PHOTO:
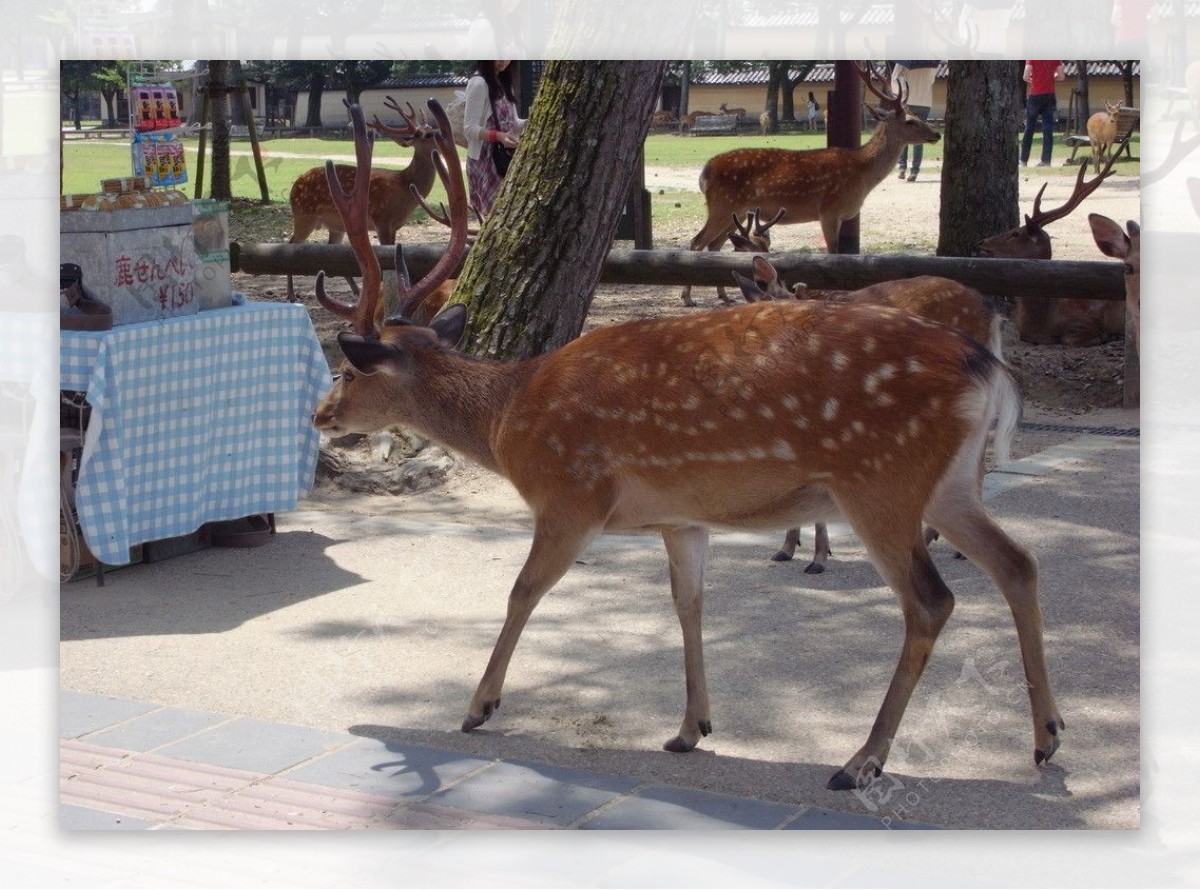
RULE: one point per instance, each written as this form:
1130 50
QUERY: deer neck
880 153
459 402
420 170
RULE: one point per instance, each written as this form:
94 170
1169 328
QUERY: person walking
914 81
1041 104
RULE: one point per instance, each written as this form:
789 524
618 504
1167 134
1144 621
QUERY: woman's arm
475 115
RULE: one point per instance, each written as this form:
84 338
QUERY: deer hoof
472 722
814 568
678 745
781 556
705 727
1041 756
844 780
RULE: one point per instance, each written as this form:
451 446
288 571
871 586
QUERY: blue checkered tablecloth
194 419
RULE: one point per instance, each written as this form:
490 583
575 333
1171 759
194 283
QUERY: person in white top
915 79
492 128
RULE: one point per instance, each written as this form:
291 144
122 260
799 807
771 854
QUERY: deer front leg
901 557
687 550
556 543
790 541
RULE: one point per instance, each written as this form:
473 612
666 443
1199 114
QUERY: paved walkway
137 766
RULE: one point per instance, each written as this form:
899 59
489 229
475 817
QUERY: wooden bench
715 125
1127 120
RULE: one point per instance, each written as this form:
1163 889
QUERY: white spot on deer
782 450
883 400
829 444
691 403
868 344
800 422
757 453
709 424
737 414
790 403
556 445
839 361
859 427
766 412
914 366
829 409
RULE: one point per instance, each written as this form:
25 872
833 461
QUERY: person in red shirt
1040 104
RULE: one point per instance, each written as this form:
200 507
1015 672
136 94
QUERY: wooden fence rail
1051 279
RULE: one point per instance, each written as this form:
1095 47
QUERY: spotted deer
739 113
393 196
1072 322
753 416
938 299
826 184
1102 132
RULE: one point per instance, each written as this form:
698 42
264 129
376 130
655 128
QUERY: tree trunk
776 77
980 165
218 86
533 270
316 86
1085 103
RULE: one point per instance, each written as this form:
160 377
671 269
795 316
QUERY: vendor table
194 419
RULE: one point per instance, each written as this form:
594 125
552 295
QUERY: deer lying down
753 416
938 299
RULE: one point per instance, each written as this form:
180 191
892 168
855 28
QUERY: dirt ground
1062 386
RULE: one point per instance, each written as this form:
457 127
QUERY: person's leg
921 111
1049 107
1027 136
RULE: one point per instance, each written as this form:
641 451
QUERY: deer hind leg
556 543
821 551
687 550
303 225
899 553
958 512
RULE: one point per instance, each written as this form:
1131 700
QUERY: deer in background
826 184
752 416
739 113
929 296
1102 132
1041 321
393 193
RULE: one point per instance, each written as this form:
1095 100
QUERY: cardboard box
141 262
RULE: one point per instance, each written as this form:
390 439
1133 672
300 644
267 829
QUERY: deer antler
871 76
450 171
1082 189
760 227
438 216
402 135
353 208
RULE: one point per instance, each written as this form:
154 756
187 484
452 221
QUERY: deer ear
450 323
750 289
366 355
1110 237
741 242
877 113
763 270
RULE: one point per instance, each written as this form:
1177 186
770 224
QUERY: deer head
753 236
1030 241
1116 242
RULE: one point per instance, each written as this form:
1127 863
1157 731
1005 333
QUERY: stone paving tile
155 729
76 818
545 794
81 712
432 817
256 745
390 769
686 808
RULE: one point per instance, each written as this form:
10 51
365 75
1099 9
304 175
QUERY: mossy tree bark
532 271
981 162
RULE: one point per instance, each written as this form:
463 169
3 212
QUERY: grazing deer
1102 132
826 184
393 195
748 417
938 299
686 121
664 117
1114 242
1072 322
